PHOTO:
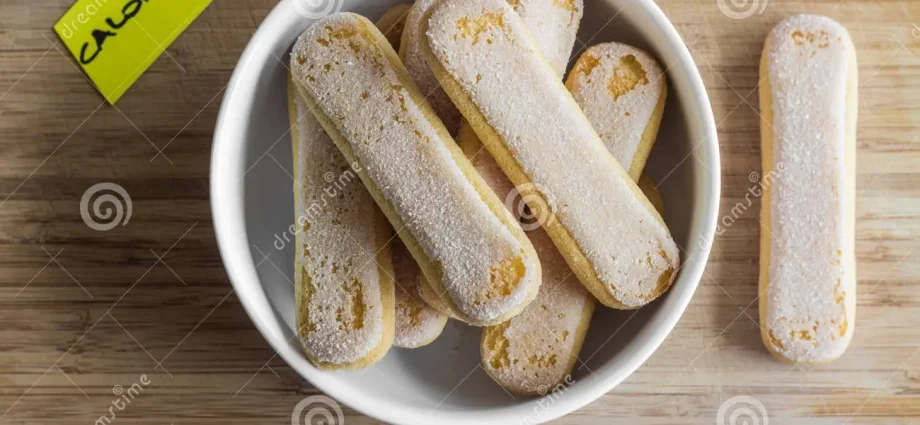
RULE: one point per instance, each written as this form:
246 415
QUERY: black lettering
129 10
137 8
99 36
118 25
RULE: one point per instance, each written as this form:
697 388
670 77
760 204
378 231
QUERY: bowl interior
254 163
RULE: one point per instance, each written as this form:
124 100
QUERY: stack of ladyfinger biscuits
470 181
503 183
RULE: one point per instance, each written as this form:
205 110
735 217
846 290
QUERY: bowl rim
226 191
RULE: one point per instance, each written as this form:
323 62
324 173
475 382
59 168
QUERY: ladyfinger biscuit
470 249
555 24
344 298
411 56
608 232
393 22
417 324
537 349
622 91
807 263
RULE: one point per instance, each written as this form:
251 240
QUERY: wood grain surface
83 312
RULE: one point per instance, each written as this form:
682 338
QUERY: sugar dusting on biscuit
410 53
405 156
810 294
618 88
626 242
553 24
339 298
417 324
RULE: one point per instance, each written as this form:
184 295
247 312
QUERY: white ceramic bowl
251 195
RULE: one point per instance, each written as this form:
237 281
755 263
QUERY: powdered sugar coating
808 308
618 87
417 324
411 55
340 310
345 68
553 24
483 46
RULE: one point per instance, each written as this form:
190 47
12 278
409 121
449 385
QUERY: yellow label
115 41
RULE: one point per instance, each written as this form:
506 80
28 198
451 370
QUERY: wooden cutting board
82 311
